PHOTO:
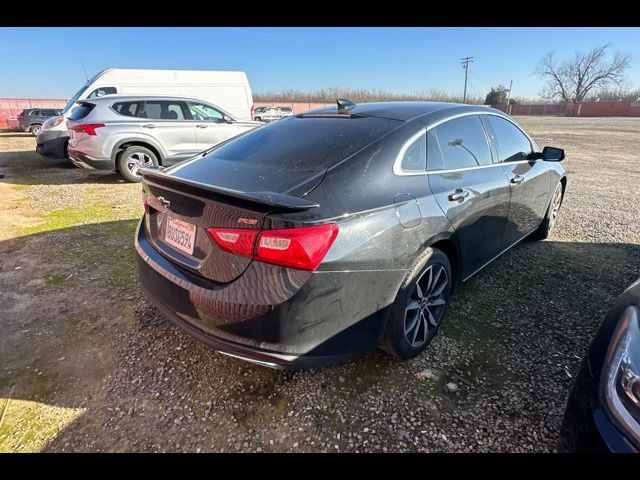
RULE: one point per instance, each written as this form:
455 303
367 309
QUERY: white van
228 90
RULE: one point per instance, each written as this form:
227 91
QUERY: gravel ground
495 379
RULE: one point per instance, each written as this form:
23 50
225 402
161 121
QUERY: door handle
517 179
149 125
459 194
202 125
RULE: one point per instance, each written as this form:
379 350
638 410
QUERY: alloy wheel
425 307
136 161
555 207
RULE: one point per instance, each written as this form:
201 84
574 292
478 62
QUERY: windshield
74 98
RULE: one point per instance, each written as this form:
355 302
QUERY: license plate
180 234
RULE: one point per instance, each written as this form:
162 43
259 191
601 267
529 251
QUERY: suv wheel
34 129
420 305
132 159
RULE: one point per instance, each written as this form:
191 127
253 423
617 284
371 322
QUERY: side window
128 109
101 91
200 111
511 144
164 110
463 142
434 155
35 113
415 158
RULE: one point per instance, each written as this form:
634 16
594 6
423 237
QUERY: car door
471 190
168 122
528 178
210 124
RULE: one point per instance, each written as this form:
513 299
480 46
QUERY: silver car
271 114
124 133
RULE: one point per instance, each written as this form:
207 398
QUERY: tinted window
415 158
164 110
50 113
463 142
434 155
101 91
81 111
511 144
35 113
286 110
305 144
200 111
128 109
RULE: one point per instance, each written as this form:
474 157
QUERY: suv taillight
88 128
303 248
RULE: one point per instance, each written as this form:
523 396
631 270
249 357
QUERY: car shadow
81 342
29 168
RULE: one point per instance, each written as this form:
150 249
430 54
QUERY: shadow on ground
78 336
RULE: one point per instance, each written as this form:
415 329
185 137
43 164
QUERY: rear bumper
51 143
81 159
270 315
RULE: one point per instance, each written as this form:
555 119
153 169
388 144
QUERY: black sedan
603 412
336 231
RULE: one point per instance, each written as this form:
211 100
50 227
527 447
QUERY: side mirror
552 154
227 119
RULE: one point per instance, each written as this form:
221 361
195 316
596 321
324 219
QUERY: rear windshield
304 143
81 111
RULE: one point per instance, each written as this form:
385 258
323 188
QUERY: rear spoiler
272 199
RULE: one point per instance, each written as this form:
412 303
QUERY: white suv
124 133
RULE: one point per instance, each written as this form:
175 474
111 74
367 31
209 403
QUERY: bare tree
571 80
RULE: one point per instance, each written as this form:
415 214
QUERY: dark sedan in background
603 412
330 233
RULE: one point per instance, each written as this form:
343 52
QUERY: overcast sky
47 62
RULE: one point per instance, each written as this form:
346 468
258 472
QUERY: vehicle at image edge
31 119
327 234
124 133
603 410
230 90
270 114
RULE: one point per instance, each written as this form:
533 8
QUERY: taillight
235 240
20 117
302 248
88 128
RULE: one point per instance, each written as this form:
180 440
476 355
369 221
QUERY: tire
258 119
407 334
551 215
127 159
34 129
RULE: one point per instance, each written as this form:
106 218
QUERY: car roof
133 98
406 111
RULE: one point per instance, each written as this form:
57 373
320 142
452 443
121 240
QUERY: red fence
584 109
11 107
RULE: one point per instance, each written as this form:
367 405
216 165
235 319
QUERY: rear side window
511 144
434 154
81 111
128 109
35 113
463 143
102 91
164 110
414 158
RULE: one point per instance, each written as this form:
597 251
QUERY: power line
465 64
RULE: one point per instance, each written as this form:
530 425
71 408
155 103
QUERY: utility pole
509 97
465 64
